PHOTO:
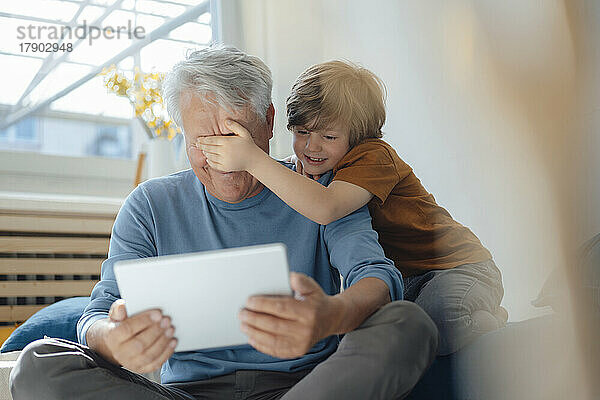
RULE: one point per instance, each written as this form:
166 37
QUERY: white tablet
203 292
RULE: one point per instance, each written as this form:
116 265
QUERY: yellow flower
143 92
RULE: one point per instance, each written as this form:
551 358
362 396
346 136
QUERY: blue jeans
464 302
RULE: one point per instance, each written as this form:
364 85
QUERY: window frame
32 169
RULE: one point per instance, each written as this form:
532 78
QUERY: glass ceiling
36 64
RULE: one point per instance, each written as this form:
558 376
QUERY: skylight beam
49 65
158 33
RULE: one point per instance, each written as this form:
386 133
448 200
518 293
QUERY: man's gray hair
234 78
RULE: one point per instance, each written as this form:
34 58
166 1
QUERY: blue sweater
175 214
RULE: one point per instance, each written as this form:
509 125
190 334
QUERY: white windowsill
56 203
26 172
23 162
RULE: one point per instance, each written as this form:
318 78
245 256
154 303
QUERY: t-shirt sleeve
355 252
132 237
371 167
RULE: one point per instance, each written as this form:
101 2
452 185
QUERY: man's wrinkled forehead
209 116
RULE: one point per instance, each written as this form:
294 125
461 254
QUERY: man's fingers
265 342
164 356
117 311
237 128
303 284
144 340
133 325
268 323
154 356
281 306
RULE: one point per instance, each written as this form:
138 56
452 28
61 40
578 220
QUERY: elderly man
294 350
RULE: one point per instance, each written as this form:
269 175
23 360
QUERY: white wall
478 98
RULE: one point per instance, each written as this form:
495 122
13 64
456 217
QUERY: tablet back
203 292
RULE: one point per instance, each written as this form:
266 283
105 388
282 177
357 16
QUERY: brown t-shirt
415 232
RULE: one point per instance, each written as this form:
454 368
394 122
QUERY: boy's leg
464 302
382 359
60 369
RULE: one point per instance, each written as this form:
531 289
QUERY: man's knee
401 333
37 373
413 324
398 343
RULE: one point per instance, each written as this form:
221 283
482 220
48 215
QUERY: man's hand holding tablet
140 343
287 327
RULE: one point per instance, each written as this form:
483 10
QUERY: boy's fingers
211 140
237 128
212 160
209 150
214 164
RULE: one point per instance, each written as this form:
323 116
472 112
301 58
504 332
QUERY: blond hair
338 92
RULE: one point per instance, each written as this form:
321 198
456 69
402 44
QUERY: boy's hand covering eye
229 153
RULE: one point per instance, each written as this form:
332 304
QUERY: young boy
335 112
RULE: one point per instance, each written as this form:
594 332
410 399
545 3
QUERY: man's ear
270 119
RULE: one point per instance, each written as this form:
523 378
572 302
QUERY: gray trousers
382 359
464 302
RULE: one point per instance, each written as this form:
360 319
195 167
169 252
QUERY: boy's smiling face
320 150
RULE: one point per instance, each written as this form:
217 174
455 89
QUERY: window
26 129
110 141
53 100
24 135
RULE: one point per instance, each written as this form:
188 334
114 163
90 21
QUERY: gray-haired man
294 350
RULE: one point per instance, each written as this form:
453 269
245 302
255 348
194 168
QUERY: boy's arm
321 204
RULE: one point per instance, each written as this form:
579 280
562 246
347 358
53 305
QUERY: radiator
46 256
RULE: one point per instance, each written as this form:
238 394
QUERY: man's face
202 118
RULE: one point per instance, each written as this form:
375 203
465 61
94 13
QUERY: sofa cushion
58 320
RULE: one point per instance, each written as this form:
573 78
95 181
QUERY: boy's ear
270 119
